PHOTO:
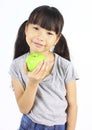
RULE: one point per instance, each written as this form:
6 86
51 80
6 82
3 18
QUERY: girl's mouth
38 44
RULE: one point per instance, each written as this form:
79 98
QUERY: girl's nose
41 36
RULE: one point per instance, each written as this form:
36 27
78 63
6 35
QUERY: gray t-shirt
50 102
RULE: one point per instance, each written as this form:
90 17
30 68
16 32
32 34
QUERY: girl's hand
39 73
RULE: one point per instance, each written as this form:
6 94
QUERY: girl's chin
36 49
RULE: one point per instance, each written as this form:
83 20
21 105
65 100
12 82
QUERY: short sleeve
70 73
13 70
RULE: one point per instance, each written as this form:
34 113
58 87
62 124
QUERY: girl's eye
36 28
49 33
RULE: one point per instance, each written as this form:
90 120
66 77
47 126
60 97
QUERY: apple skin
32 60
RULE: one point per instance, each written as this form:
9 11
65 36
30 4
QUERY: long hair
21 45
62 48
48 18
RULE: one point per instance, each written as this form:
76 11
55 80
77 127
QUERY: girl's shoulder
67 68
62 62
20 59
16 67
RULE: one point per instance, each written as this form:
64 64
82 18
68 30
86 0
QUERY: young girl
47 95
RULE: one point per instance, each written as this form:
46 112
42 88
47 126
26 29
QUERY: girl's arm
25 98
72 105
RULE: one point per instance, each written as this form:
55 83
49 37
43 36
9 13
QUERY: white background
77 30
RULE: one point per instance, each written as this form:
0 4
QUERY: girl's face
40 39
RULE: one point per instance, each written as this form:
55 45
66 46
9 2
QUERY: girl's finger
38 68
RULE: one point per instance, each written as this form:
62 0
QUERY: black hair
21 45
49 18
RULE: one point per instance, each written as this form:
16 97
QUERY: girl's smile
38 44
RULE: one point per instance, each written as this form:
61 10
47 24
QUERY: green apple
32 60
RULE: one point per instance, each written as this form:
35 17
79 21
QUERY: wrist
32 83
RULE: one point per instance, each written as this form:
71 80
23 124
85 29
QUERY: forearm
71 117
27 99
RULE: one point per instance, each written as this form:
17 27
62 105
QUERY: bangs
44 21
46 18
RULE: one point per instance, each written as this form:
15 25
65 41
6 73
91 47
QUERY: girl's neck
50 57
